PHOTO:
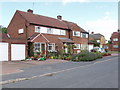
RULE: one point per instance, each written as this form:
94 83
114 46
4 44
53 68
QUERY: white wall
3 51
91 46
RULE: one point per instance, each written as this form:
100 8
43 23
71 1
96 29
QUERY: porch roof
66 40
48 38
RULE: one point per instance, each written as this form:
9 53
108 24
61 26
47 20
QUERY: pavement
102 73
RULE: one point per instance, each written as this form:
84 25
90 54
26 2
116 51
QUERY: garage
17 52
3 51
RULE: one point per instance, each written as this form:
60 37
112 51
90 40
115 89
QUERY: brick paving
11 67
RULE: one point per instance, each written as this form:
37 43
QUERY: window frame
37 30
53 47
77 47
76 32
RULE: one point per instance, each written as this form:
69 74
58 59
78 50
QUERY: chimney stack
92 32
30 11
59 17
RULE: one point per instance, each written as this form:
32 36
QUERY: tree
96 44
3 29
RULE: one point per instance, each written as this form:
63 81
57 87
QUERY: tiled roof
67 40
48 38
48 21
96 36
4 35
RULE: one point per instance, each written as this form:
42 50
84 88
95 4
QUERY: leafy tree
96 44
109 42
3 29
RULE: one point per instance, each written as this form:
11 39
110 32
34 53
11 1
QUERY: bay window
51 47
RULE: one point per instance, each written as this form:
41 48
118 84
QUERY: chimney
30 11
59 17
92 32
118 31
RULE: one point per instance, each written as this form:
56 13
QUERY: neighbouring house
99 38
90 45
45 34
115 41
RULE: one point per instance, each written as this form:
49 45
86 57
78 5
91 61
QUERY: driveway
11 67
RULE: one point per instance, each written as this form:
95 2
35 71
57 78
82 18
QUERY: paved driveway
18 66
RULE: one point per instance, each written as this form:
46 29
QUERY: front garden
82 56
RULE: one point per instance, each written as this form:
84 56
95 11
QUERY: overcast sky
99 17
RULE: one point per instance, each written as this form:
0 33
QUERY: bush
86 56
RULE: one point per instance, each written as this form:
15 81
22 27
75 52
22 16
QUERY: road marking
48 74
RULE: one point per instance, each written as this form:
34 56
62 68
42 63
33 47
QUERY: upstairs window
115 46
76 33
49 31
37 29
62 32
115 39
20 31
84 35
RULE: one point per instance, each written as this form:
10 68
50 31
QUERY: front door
43 49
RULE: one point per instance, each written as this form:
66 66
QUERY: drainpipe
26 52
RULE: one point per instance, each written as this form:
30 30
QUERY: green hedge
86 56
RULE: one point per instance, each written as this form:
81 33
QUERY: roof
96 36
4 35
48 38
48 21
66 40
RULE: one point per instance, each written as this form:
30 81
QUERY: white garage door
17 51
3 51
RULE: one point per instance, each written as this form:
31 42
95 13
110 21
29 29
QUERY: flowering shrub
86 56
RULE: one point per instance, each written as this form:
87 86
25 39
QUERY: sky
97 17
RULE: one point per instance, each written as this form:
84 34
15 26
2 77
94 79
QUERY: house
115 41
45 34
99 38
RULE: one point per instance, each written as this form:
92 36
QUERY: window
98 41
115 39
77 46
62 32
49 31
56 31
43 29
20 31
115 46
37 29
76 33
84 35
51 47
36 47
84 47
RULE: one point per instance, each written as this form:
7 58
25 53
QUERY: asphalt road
102 73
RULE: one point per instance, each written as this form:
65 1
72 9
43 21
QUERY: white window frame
115 39
77 46
62 32
37 47
37 30
84 34
49 32
77 32
115 46
53 47
20 31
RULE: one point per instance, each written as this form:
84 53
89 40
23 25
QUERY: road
102 73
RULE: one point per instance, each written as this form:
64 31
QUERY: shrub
86 56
